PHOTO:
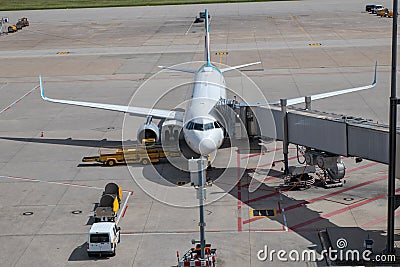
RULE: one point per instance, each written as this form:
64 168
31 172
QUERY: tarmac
111 55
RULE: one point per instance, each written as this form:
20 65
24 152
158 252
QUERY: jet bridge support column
392 137
308 102
285 136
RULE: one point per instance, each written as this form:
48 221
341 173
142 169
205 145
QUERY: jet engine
148 130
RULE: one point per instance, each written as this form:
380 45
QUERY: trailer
144 154
110 202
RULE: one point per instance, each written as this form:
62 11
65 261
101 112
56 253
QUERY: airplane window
208 126
190 125
198 127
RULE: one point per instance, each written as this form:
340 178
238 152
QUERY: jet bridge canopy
333 133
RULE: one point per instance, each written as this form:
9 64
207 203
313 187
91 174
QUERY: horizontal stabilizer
177 69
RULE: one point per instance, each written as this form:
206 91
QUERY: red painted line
239 193
335 193
261 197
264 152
264 180
267 164
363 167
379 220
324 196
254 155
336 212
123 214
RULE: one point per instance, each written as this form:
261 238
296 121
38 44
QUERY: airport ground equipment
2 22
148 152
299 176
109 204
375 8
19 25
12 28
103 239
192 257
24 21
369 7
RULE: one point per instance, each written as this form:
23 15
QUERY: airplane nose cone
207 146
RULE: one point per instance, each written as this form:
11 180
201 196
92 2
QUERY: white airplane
202 131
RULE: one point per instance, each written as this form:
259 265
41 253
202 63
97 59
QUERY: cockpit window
190 125
198 127
201 127
216 124
208 126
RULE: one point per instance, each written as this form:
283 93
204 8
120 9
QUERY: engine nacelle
148 130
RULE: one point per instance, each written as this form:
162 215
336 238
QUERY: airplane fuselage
202 131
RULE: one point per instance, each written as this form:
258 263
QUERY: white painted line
49 182
283 212
4 85
123 208
189 28
19 99
196 232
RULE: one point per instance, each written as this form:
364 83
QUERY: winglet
41 88
376 66
207 39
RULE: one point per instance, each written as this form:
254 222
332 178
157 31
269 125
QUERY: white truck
103 239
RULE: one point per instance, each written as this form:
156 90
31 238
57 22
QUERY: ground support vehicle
109 204
12 28
103 239
192 257
148 152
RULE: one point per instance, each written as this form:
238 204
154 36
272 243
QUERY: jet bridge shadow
301 219
264 196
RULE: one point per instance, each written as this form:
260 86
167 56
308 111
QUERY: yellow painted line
302 29
262 213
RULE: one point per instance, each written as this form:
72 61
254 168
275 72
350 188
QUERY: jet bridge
327 136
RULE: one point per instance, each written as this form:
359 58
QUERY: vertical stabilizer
207 39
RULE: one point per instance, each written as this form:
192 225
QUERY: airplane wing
299 100
138 111
240 66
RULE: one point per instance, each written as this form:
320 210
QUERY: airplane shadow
74 142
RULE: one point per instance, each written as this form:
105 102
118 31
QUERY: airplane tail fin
207 39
